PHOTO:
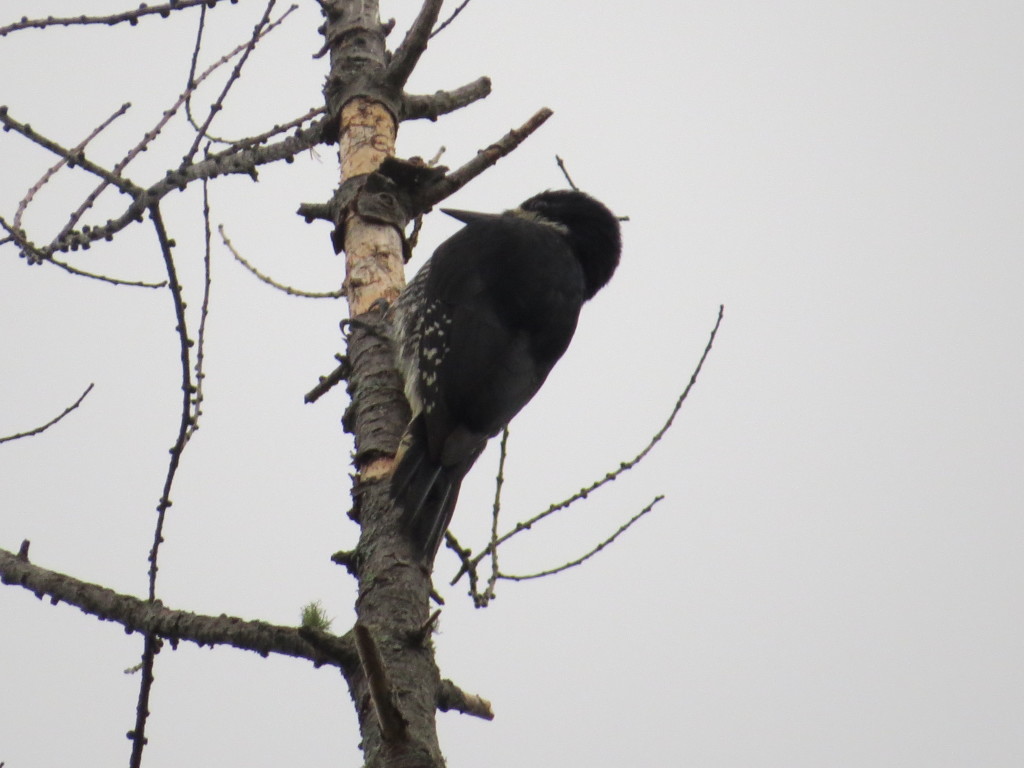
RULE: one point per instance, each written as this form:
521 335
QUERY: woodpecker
477 331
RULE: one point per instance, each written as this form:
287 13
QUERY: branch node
346 558
451 697
420 636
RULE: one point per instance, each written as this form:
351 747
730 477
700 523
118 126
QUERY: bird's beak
467 217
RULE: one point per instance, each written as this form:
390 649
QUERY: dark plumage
478 330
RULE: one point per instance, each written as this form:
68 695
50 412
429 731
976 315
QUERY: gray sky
834 578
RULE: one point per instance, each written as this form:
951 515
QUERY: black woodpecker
478 330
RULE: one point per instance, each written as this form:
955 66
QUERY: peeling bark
396 688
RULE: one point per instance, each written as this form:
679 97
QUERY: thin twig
150 648
498 482
204 311
469 565
573 563
568 178
263 26
70 155
36 255
627 465
432 162
75 151
151 136
52 421
565 172
152 644
29 250
103 278
132 17
328 382
270 281
147 139
190 83
227 162
440 27
187 391
252 141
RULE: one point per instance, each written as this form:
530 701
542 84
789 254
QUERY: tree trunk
397 687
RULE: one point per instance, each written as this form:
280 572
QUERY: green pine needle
313 617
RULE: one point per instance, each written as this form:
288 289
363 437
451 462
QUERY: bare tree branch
484 159
204 312
152 645
499 481
230 161
325 385
573 563
72 156
152 134
132 17
440 27
253 141
626 465
405 57
263 26
270 281
452 182
36 255
470 564
190 82
187 391
52 421
451 697
103 278
29 250
565 172
429 196
441 103
138 615
75 151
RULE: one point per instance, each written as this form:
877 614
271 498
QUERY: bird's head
591 229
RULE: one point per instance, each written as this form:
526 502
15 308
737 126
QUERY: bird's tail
426 492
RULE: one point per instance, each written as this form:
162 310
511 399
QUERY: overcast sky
835 575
